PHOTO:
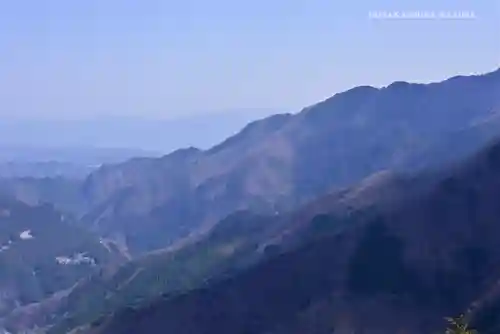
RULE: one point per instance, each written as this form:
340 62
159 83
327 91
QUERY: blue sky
92 58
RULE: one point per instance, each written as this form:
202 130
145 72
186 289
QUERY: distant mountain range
86 156
148 133
49 169
60 161
277 228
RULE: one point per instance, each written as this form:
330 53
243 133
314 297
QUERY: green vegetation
228 247
42 252
459 325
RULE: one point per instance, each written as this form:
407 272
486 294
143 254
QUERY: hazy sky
84 58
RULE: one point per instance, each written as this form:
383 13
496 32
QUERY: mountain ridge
275 163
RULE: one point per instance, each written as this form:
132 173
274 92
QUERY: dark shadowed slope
400 269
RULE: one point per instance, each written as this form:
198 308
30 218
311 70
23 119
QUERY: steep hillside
236 242
42 252
401 268
279 162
